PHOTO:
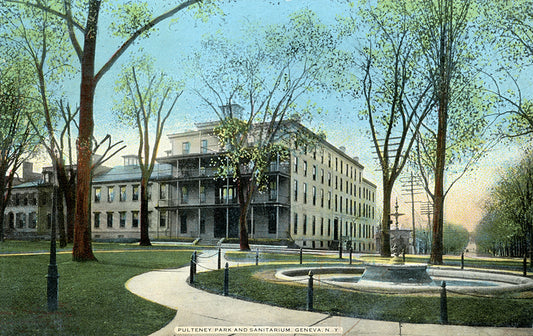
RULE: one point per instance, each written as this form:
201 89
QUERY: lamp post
53 276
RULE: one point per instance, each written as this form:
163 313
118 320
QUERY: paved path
198 309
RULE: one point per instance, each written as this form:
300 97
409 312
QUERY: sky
173 42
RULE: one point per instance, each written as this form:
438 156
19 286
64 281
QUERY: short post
191 270
310 292
52 278
256 257
219 257
226 280
195 261
351 251
301 255
443 305
403 255
340 249
525 264
462 260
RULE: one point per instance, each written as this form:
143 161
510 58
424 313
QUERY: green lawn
92 297
515 310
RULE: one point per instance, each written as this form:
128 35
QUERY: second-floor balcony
186 173
203 201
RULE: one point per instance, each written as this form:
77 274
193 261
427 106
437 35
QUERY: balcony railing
195 201
195 172
212 171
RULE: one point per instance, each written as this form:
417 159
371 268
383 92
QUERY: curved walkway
203 313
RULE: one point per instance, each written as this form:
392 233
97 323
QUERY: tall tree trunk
61 218
145 238
2 220
386 220
243 206
438 210
82 250
70 201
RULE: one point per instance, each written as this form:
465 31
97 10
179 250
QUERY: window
204 146
228 193
305 193
163 191
110 194
322 198
21 220
185 147
322 226
163 219
305 168
273 191
295 190
149 192
32 220
313 228
96 219
202 225
329 199
329 227
135 219
135 193
322 176
314 172
203 195
295 228
314 195
122 217
109 219
329 160
183 224
97 195
272 222
329 179
305 225
184 195
122 193
295 164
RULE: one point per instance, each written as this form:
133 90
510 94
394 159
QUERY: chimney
27 171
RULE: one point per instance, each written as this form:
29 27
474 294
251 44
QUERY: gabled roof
133 173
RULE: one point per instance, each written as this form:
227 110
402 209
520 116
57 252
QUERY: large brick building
317 198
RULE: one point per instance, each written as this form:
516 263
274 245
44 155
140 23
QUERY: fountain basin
461 281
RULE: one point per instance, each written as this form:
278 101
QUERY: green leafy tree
133 22
257 89
455 238
144 106
18 140
442 32
512 201
396 94
512 23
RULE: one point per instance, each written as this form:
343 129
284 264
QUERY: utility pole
427 209
412 186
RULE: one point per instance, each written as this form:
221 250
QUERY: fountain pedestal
396 273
